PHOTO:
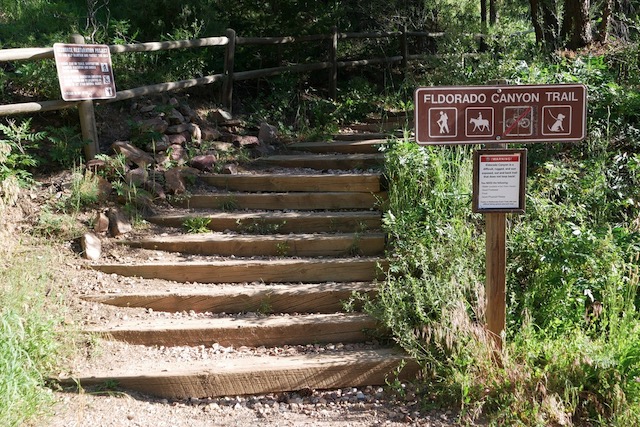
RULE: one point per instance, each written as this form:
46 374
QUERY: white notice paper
499 181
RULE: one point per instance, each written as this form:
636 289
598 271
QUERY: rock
210 133
118 223
156 188
184 127
175 179
175 117
104 188
156 124
245 141
187 112
178 138
147 108
133 154
137 177
173 101
159 143
91 246
230 169
220 115
101 223
223 147
95 165
268 134
196 133
204 163
178 154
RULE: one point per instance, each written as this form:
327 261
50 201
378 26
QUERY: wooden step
253 375
280 201
369 183
290 298
323 161
363 136
399 118
268 271
278 222
304 245
377 126
370 146
253 331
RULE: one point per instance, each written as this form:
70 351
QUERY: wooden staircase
289 248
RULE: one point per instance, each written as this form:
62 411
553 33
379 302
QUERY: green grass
571 352
33 341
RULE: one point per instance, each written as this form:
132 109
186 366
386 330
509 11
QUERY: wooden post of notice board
86 111
496 273
495 285
498 188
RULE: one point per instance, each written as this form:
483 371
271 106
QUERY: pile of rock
171 143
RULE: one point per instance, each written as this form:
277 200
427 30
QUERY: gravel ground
369 406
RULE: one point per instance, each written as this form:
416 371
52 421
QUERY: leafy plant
115 167
15 156
283 248
197 224
66 146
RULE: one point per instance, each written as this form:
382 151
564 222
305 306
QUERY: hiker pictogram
443 122
479 121
556 120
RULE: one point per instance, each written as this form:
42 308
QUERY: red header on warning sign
499 158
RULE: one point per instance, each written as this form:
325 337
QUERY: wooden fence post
333 58
229 60
87 118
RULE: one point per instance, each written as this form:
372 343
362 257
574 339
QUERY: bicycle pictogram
518 121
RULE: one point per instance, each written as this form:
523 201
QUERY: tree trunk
483 14
483 24
576 25
544 18
535 21
493 12
605 23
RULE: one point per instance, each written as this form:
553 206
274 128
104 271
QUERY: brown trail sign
499 114
495 115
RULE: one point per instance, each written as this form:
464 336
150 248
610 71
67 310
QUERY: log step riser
296 183
280 201
265 376
246 334
330 301
254 246
365 161
268 273
280 224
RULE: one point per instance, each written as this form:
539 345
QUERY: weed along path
243 324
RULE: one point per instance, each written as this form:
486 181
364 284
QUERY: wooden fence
230 40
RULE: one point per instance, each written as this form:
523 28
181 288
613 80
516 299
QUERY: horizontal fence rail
229 42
